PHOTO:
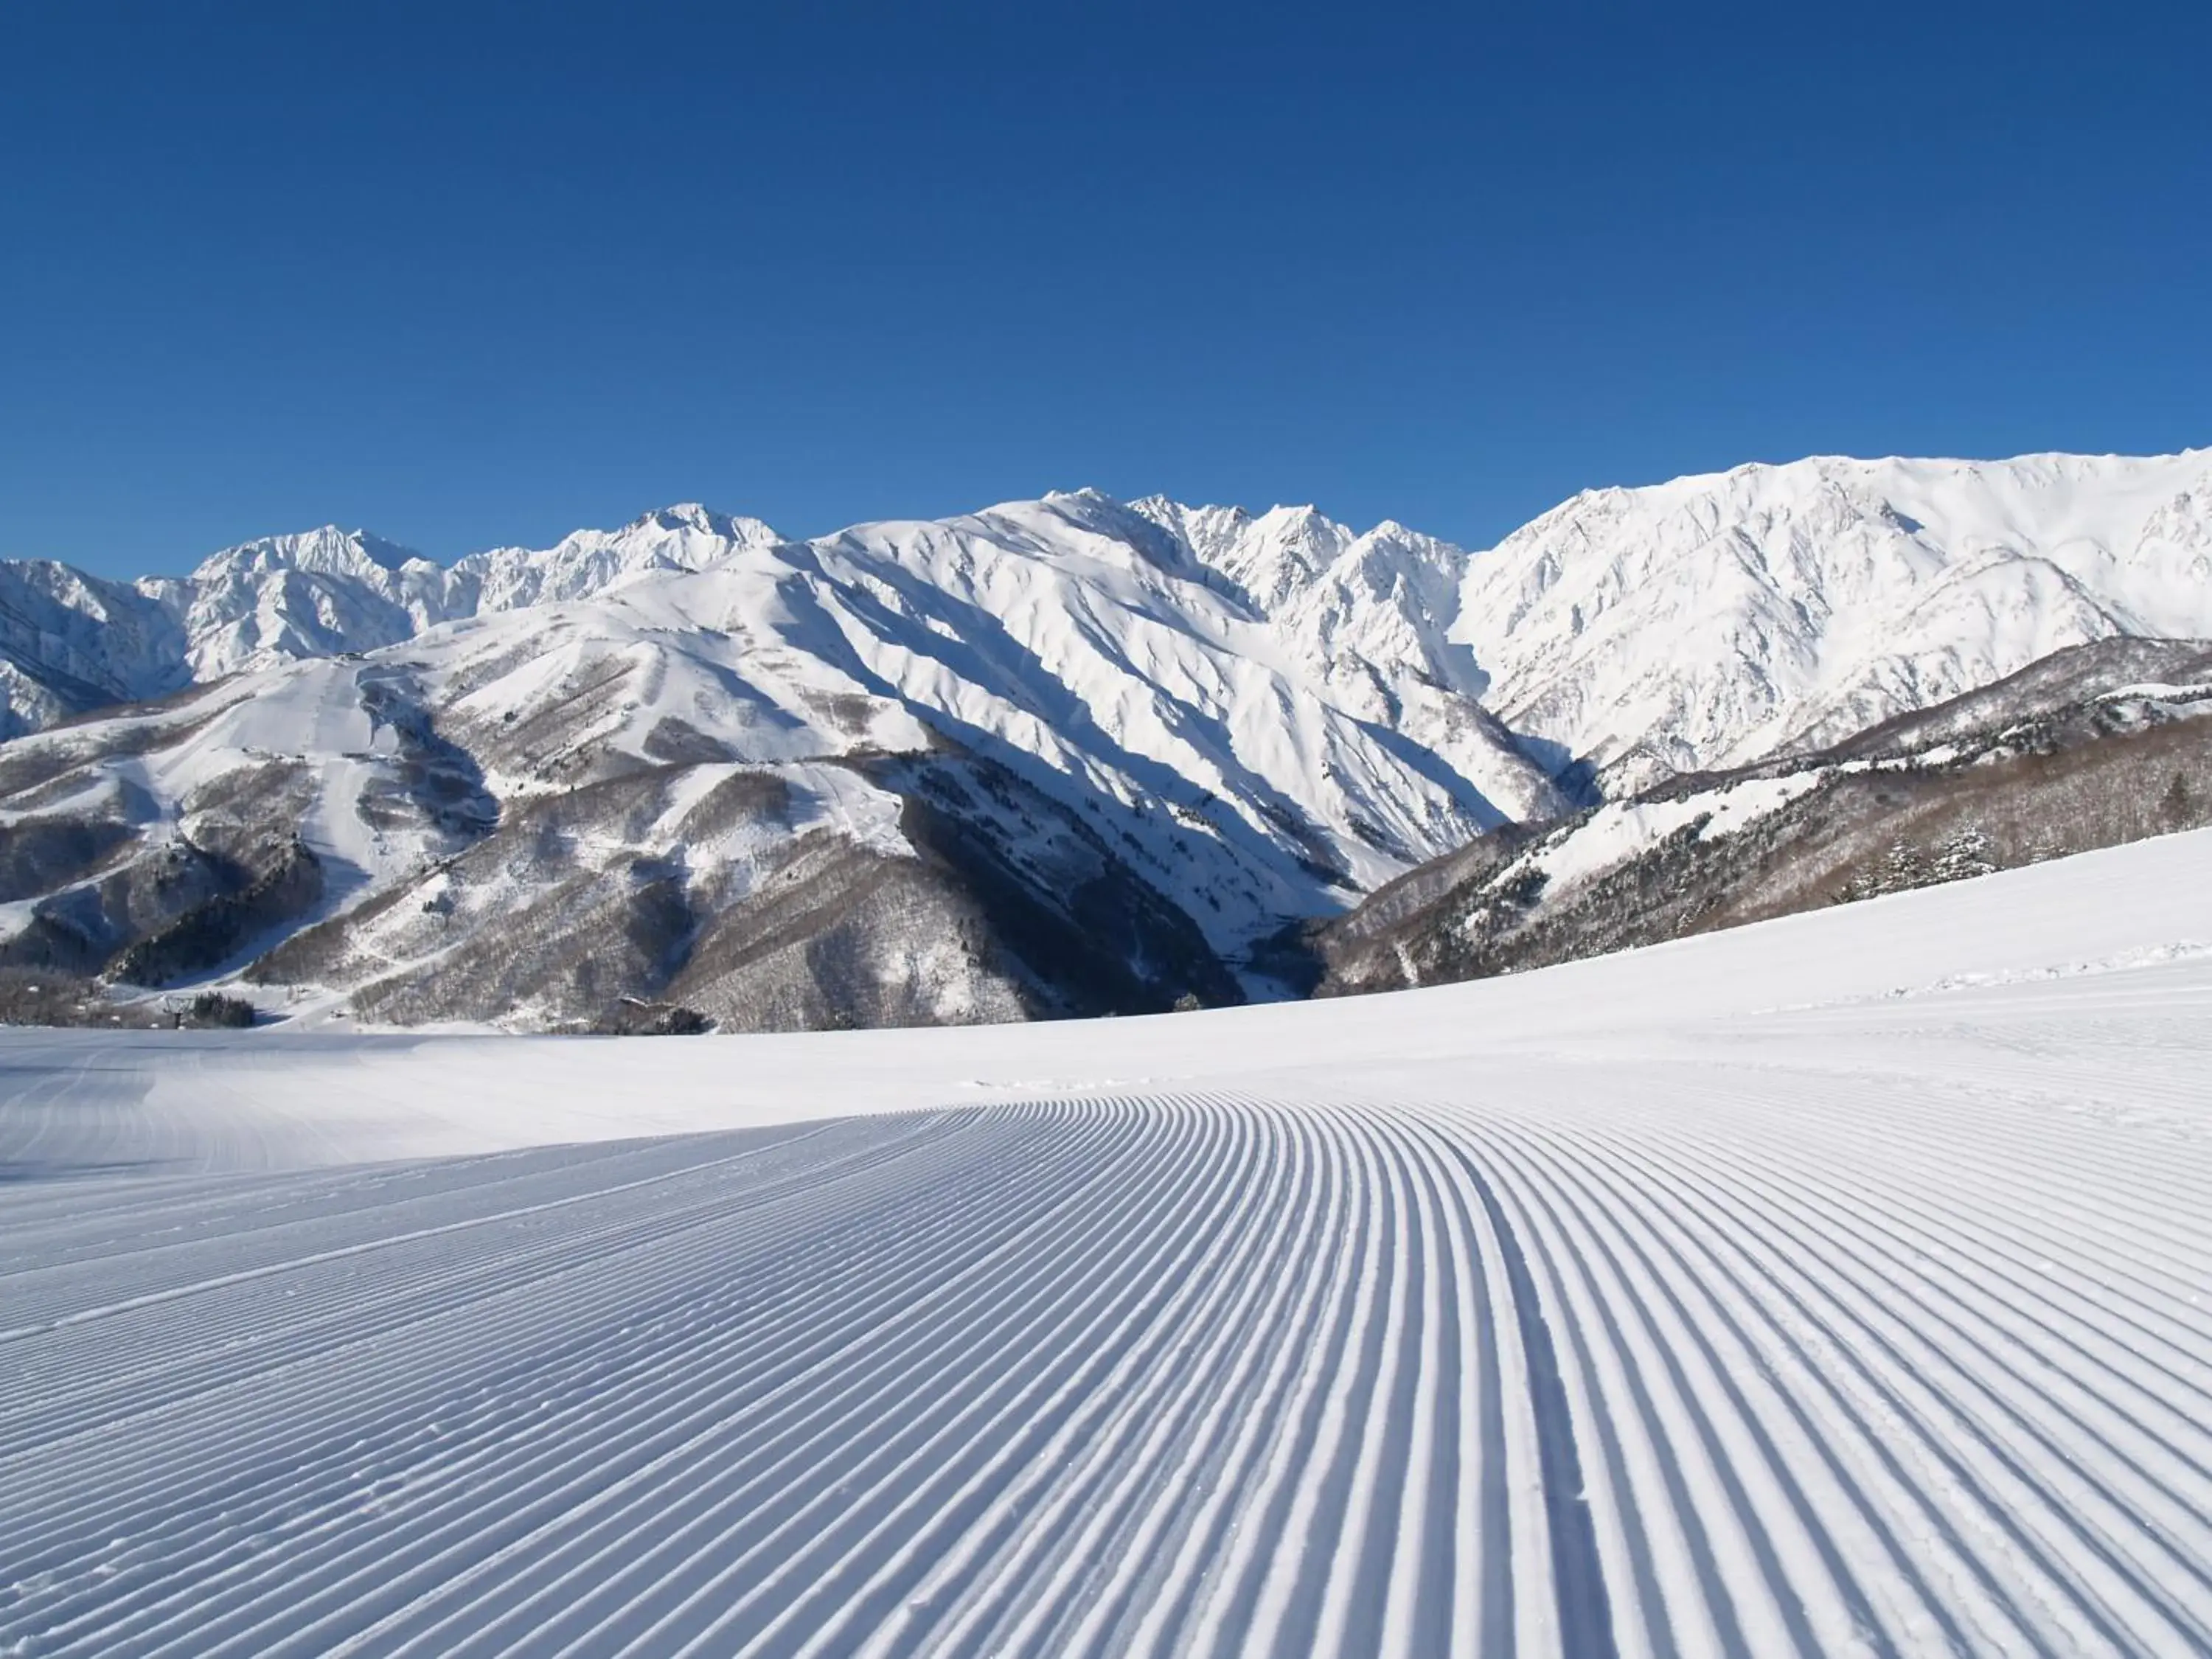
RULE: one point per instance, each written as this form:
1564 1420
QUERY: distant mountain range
1058 756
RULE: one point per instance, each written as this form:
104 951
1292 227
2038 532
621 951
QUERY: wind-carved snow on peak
685 536
1713 619
328 551
1387 600
1269 557
1368 614
281 598
70 642
688 535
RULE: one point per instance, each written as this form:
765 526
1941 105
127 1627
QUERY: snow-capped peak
694 519
280 599
328 551
1268 557
1711 619
585 562
1702 622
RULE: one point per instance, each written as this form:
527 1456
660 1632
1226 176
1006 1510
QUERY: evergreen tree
2178 808
1962 854
1902 868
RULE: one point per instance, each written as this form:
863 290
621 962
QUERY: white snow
1707 621
1618 830
2159 691
1839 1285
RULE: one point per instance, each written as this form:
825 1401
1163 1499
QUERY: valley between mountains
1075 755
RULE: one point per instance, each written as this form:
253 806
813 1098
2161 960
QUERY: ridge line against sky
475 275
1357 528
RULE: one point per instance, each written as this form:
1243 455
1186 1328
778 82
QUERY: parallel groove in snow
1178 1374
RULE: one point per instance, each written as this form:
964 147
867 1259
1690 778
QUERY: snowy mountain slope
165 841
686 536
1266 560
312 826
2094 745
286 597
69 642
1832 1287
1701 622
1360 619
1056 628
1711 620
2099 677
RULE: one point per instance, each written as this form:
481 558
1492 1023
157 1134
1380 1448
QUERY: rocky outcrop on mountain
926 889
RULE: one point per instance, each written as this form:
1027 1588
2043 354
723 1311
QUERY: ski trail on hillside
1733 1364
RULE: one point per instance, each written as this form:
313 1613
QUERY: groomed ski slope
1838 1286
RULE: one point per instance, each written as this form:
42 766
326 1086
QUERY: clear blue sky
474 273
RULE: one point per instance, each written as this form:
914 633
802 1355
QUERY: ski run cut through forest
1840 1284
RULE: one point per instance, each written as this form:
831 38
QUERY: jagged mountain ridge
71 643
1673 627
1228 720
1077 703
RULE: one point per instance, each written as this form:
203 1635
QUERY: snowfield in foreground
1841 1284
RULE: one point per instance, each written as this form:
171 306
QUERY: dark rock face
1007 907
1066 914
125 893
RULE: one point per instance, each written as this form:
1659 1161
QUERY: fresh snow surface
1842 1285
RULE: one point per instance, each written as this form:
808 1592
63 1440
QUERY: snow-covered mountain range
1173 728
71 642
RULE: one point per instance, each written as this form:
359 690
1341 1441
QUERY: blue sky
473 274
